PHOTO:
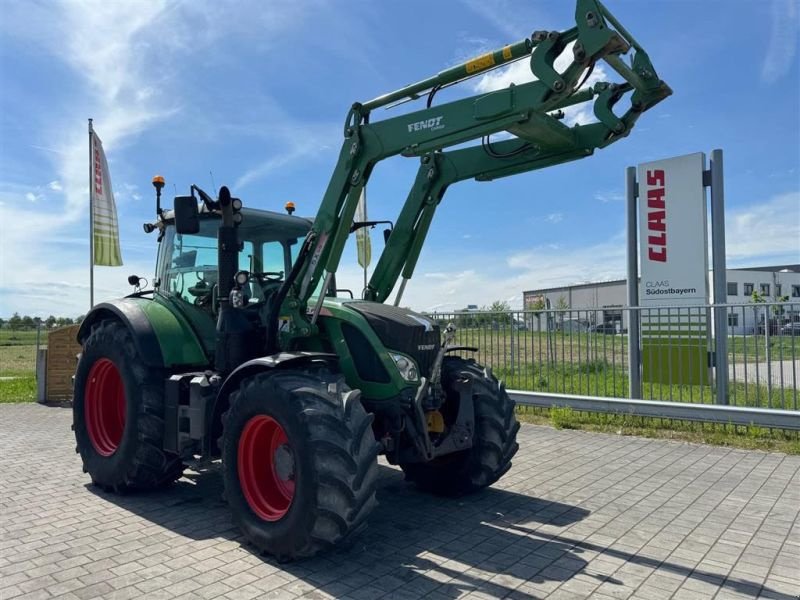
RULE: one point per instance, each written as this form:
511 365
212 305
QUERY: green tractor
245 350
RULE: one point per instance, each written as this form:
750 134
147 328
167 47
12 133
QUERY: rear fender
163 338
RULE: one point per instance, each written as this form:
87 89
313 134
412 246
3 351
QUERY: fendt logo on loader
432 124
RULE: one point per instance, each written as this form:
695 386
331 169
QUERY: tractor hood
402 330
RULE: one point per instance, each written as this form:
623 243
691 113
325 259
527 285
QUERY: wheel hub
284 462
104 405
266 468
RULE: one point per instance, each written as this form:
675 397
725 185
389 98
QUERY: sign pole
720 283
91 218
634 351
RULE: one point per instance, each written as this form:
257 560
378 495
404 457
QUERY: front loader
244 351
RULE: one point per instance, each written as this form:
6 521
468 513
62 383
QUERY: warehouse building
601 304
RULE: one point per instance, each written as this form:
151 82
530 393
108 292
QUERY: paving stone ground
580 515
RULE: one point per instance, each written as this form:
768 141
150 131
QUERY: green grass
533 346
20 338
18 364
753 347
17 361
598 378
717 434
20 389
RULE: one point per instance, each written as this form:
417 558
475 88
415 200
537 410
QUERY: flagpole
91 217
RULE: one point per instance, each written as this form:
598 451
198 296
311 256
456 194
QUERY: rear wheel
494 440
117 414
299 461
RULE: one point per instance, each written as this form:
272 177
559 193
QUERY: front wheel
494 441
299 461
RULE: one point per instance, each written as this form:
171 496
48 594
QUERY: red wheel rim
104 402
266 468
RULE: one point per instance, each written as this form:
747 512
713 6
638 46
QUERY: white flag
363 245
104 210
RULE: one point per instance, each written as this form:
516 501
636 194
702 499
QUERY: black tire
494 441
138 461
334 460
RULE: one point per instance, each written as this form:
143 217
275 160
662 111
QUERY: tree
778 310
500 310
50 322
537 305
498 306
562 305
15 322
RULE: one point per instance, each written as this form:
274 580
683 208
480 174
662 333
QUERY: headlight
406 366
241 277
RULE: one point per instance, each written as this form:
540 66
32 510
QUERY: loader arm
523 110
438 170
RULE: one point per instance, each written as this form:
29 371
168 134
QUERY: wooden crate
62 359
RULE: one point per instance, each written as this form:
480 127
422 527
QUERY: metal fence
19 349
585 351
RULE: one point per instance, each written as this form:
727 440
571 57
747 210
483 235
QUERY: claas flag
363 245
105 228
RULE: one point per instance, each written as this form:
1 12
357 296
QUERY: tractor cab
187 268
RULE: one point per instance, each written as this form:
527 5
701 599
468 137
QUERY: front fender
252 367
163 338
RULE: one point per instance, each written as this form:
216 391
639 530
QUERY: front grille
404 331
368 366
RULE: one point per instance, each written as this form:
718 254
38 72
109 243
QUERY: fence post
720 277
634 352
38 342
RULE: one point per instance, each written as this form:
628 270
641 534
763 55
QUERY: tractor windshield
187 264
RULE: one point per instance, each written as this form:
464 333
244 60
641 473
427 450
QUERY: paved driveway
580 515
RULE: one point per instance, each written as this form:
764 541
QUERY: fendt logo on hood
432 124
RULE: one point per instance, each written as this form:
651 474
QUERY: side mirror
187 217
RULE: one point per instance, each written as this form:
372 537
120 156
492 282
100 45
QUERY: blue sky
257 92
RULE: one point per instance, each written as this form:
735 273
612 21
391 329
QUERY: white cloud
483 278
783 36
298 148
520 72
609 196
495 13
554 218
125 57
764 232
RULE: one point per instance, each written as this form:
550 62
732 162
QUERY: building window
733 289
748 289
764 289
733 320
796 291
778 290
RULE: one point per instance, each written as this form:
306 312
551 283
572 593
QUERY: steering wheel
268 277
203 289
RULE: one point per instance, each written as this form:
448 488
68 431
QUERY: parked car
572 326
604 328
791 329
